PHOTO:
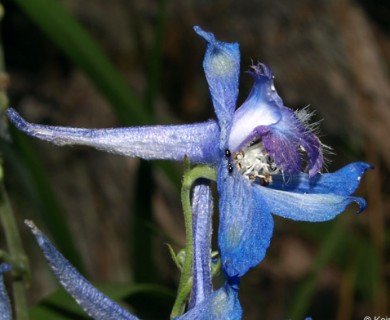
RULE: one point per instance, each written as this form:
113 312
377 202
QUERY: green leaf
303 296
60 305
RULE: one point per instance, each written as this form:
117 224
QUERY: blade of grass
52 213
60 305
76 43
303 296
143 262
142 258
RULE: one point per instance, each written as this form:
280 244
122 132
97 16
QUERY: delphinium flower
268 160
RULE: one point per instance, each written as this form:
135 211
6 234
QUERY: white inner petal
247 118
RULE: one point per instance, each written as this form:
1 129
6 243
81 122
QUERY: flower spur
268 161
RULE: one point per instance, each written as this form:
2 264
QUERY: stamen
254 163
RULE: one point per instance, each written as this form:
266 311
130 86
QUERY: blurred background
123 62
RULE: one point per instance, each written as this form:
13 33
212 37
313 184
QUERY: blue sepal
199 141
222 68
245 225
93 302
342 182
222 304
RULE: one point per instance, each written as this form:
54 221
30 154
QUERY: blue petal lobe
198 141
95 303
245 224
285 139
202 209
222 68
222 304
343 182
308 207
261 108
5 305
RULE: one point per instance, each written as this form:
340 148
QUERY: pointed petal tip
16 119
39 236
32 226
365 166
358 169
208 36
260 70
362 203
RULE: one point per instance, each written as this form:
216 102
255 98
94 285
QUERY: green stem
185 284
16 257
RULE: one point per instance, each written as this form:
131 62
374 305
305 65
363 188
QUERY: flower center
254 163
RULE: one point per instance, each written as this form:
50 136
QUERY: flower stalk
185 284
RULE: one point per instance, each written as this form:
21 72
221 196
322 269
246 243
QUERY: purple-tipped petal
5 305
343 182
95 303
202 210
222 68
308 207
286 140
197 141
261 108
263 74
245 223
222 304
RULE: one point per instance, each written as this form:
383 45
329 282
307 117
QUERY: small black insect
230 167
228 154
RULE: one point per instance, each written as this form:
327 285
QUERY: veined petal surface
308 207
197 141
222 304
245 224
95 303
202 210
222 68
343 182
286 140
261 108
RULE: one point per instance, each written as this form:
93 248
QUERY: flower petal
343 182
245 224
95 303
202 210
197 141
261 108
5 305
285 140
222 68
308 207
222 304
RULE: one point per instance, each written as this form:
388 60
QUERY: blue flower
267 158
220 304
93 302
